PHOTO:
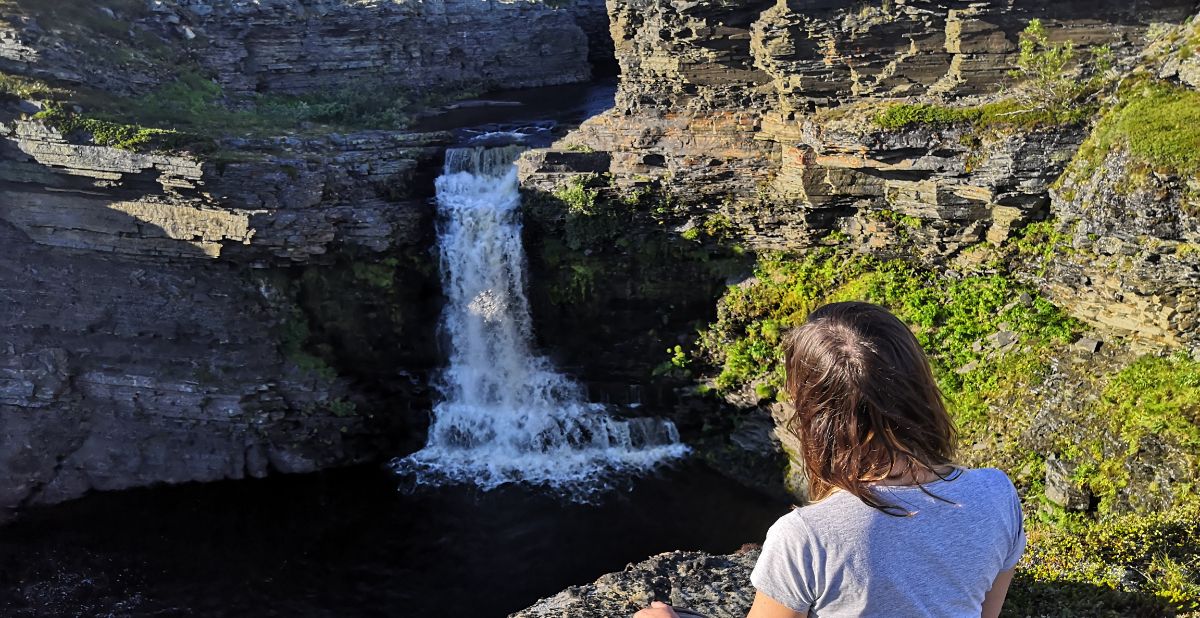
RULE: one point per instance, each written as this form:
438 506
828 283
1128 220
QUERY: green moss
380 275
1157 122
294 338
905 115
1007 114
124 136
192 105
950 317
342 407
1155 398
1134 565
1039 242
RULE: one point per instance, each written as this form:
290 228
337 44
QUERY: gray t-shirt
840 557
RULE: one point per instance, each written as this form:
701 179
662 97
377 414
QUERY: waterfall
505 414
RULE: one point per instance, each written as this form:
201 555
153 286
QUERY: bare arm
766 607
994 599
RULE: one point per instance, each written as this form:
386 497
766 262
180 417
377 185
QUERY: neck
902 473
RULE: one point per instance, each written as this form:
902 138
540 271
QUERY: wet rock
716 586
752 455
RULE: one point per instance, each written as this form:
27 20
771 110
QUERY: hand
657 609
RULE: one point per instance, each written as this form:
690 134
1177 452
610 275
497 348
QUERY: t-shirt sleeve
1017 523
786 570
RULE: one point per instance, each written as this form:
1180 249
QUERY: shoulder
992 479
993 489
819 521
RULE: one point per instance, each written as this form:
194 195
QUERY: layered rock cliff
299 46
1044 251
262 299
767 114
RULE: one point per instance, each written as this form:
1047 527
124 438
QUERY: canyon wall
778 127
160 321
264 303
301 46
765 114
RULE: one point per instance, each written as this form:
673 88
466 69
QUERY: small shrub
18 87
1052 78
949 316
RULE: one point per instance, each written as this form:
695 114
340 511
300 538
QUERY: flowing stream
506 415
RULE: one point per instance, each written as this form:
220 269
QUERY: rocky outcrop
765 114
299 46
302 46
355 189
1132 266
117 374
839 51
715 586
152 331
173 317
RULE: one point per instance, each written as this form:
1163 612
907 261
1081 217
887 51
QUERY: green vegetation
342 407
1052 77
1155 399
83 14
950 317
1133 565
580 194
294 339
18 87
380 275
1158 123
718 227
1001 115
191 110
1055 88
196 103
677 365
125 136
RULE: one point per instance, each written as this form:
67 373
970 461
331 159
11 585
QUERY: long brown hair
866 403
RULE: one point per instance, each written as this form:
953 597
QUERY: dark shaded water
346 543
531 116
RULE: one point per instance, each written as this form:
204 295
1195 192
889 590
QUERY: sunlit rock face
764 113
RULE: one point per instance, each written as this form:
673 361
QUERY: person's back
840 557
895 529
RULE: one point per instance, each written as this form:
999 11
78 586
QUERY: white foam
506 415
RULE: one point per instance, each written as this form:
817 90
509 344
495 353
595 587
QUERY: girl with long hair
894 527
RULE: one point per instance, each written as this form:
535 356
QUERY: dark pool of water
346 543
539 113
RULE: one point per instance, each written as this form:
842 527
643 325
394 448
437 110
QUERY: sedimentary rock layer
764 113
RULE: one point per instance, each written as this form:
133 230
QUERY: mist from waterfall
505 414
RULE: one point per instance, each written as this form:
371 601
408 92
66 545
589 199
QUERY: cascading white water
506 414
